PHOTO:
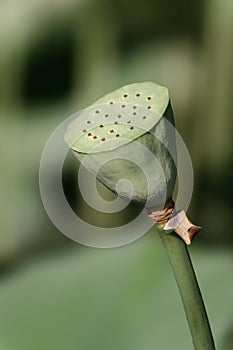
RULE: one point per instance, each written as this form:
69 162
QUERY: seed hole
144 117
89 134
122 106
103 139
111 102
97 111
119 116
149 98
95 137
111 131
115 123
106 115
129 121
131 128
137 95
134 107
88 122
149 107
125 95
84 130
101 126
117 135
134 113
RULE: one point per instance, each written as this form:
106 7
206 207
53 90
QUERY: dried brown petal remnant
175 221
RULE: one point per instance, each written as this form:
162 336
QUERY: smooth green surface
145 163
190 293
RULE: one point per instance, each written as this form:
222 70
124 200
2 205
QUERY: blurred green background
57 57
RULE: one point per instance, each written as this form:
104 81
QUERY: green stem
189 290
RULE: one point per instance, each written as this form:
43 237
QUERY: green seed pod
116 138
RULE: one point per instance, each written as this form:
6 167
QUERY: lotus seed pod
116 138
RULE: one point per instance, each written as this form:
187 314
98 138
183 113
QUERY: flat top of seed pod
118 118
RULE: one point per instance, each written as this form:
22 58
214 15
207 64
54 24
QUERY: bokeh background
57 57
